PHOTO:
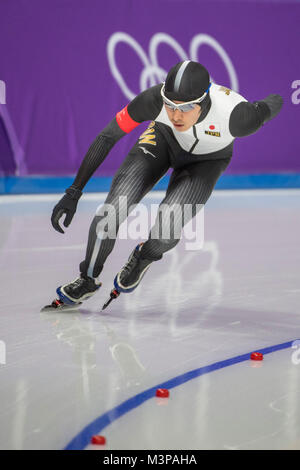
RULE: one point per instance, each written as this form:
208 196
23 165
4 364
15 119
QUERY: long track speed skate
113 295
70 296
130 275
59 305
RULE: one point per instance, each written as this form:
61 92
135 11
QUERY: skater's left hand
67 205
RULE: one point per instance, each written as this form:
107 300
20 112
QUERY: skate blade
58 306
113 295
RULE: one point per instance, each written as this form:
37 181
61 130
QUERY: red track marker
256 356
98 440
162 393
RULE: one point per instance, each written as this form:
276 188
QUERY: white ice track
239 294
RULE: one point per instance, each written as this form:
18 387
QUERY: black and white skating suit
198 156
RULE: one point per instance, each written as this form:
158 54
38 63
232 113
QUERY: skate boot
130 275
80 289
133 272
71 295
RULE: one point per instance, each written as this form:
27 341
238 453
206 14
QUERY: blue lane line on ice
82 439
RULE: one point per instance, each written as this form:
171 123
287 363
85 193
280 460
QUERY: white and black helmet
187 81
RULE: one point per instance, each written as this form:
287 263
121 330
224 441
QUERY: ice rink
189 327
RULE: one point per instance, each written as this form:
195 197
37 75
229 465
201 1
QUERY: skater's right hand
67 205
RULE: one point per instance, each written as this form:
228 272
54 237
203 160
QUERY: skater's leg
147 162
191 185
139 172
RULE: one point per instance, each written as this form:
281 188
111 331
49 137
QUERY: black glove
274 103
67 205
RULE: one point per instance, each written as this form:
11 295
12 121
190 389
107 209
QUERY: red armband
126 123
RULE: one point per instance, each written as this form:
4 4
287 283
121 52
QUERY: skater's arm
97 152
144 107
246 118
147 105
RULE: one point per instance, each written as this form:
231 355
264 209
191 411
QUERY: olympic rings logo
153 73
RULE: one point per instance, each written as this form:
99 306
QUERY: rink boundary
39 184
158 195
82 439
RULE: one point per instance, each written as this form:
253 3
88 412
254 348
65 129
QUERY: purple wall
61 89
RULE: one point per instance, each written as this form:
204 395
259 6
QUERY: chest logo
148 137
213 133
226 90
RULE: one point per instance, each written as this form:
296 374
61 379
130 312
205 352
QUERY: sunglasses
184 107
